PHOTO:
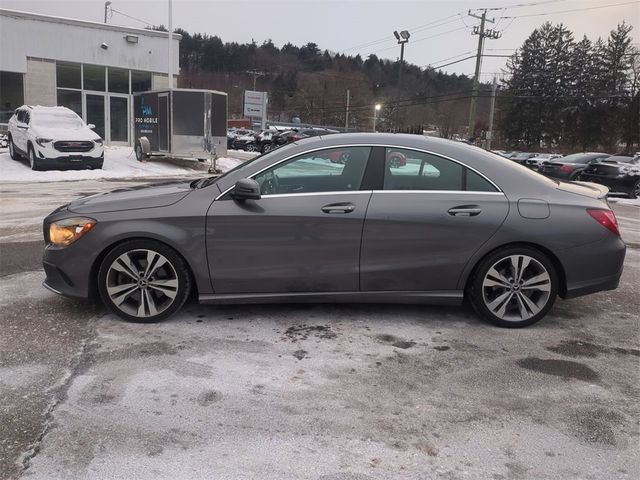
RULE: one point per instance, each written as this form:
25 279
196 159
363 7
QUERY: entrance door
118 119
95 112
163 122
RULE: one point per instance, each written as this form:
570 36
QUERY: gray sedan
450 222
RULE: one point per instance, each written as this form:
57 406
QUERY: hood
78 134
586 189
141 196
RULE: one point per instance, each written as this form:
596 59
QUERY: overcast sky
352 26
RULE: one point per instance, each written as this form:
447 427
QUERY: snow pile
119 162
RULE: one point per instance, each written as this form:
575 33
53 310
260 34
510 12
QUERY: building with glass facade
89 67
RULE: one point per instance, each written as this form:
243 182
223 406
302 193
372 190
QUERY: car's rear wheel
13 153
33 161
635 190
514 287
143 281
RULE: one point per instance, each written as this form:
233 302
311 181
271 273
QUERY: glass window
11 94
71 99
140 81
118 80
331 170
68 75
93 77
411 170
475 183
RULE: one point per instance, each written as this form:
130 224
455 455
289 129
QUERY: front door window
331 170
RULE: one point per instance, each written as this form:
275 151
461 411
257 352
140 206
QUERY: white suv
54 137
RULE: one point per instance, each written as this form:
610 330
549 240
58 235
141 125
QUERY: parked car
245 142
534 163
521 156
620 173
459 223
234 133
317 131
569 167
280 138
53 137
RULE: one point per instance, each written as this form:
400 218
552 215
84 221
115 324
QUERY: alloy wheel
516 288
142 283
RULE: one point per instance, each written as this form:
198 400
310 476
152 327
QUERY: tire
635 190
499 298
33 161
267 147
141 302
12 150
250 148
140 155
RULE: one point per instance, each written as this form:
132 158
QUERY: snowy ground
119 162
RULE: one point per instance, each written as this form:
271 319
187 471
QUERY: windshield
205 182
57 120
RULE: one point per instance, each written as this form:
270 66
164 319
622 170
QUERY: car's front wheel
33 161
514 287
13 153
143 281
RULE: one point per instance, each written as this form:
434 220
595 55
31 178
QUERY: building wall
40 83
30 35
159 82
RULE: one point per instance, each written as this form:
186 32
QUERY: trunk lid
586 189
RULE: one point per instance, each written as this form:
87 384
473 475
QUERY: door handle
339 208
465 211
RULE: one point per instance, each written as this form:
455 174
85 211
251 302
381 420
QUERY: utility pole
346 121
491 112
482 34
255 74
170 49
106 8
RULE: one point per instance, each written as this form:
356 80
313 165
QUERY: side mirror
91 126
246 189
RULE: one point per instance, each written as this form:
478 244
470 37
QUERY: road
308 391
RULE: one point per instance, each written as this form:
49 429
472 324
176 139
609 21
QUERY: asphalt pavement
311 391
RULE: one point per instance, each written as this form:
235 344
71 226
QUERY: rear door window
412 170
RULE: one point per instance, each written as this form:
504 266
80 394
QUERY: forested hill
312 84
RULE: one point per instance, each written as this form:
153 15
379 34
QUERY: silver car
451 222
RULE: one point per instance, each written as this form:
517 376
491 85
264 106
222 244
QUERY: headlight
41 141
98 141
65 232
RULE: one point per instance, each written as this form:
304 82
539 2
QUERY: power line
425 38
519 5
413 29
113 10
572 10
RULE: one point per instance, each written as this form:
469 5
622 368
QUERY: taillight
566 168
606 218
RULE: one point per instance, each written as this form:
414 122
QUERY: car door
302 235
426 222
20 132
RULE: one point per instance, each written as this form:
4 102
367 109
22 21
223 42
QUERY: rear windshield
579 158
57 120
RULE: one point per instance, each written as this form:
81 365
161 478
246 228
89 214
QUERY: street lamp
376 109
402 37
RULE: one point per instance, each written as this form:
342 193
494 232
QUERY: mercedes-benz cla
453 222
